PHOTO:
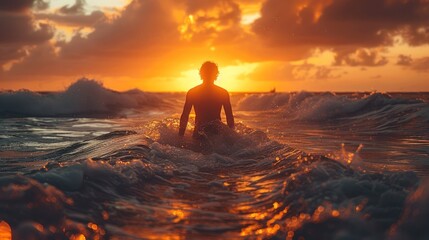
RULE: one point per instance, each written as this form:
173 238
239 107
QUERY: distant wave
84 98
307 106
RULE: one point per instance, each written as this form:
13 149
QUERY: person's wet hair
209 71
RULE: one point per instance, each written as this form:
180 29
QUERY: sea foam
84 98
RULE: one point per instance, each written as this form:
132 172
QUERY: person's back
207 100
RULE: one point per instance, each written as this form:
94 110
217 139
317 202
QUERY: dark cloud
20 28
41 58
77 8
360 57
418 35
404 60
419 64
18 31
74 20
15 5
144 26
346 23
74 15
40 5
10 52
22 5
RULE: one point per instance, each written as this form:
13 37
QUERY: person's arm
185 116
228 111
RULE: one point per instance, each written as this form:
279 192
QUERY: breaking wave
84 98
316 107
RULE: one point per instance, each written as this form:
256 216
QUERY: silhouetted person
207 99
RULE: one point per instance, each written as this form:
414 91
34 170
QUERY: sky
159 45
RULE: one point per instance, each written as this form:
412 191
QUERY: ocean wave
36 211
317 107
154 184
84 98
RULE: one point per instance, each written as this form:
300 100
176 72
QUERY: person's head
209 72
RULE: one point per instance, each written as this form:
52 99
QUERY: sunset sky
158 45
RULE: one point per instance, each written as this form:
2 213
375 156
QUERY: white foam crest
306 106
238 142
260 102
85 97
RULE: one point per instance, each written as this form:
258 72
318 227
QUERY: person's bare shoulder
192 91
225 93
222 90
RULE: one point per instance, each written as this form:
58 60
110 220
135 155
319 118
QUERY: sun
234 78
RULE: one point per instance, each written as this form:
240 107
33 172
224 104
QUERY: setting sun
234 78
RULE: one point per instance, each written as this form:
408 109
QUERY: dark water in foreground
299 165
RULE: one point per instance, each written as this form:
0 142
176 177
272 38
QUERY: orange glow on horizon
232 78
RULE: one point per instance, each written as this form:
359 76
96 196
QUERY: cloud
404 60
417 35
211 21
421 64
19 31
311 71
10 52
20 28
74 20
77 8
74 16
284 71
342 23
360 57
143 27
40 5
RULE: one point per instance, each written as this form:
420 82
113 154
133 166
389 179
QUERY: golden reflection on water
178 214
256 206
269 217
170 223
260 222
78 237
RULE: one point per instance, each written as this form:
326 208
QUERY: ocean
91 163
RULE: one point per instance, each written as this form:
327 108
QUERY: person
207 100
